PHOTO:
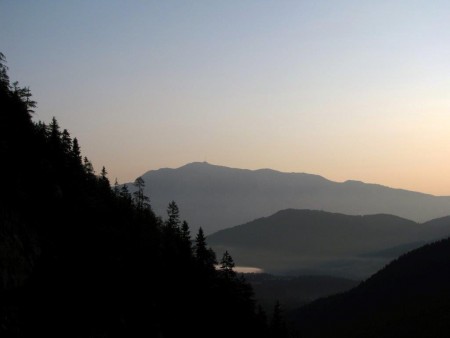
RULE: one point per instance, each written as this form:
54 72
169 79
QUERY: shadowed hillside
293 292
408 298
308 241
80 259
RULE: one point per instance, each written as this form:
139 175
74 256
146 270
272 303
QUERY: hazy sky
344 89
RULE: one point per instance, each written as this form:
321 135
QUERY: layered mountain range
317 242
216 197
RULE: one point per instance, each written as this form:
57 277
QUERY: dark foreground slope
217 197
78 259
293 292
312 241
408 298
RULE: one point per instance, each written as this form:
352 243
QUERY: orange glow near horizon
346 90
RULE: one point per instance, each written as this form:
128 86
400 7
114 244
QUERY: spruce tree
186 233
104 181
116 188
4 78
88 167
141 201
227 265
205 257
23 94
104 175
173 222
55 133
76 153
66 142
125 194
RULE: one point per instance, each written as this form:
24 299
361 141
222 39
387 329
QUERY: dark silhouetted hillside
408 298
293 292
80 259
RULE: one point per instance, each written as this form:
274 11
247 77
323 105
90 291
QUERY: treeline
81 259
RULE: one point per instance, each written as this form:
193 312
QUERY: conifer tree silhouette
227 265
141 201
173 213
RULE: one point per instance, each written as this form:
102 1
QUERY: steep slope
217 197
408 298
293 292
322 242
78 259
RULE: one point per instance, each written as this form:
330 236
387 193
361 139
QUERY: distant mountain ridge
217 197
311 241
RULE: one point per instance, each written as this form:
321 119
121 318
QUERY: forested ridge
410 297
79 258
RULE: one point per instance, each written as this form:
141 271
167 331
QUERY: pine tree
125 194
55 133
204 256
4 78
173 213
66 142
104 181
88 167
141 201
116 188
41 129
186 233
104 175
200 245
227 265
76 152
23 94
186 244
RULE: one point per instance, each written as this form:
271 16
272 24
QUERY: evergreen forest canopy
81 259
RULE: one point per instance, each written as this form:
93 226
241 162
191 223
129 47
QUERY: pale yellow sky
344 89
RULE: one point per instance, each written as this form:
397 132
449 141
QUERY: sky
347 89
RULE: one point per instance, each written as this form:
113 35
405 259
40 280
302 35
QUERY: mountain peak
197 164
217 197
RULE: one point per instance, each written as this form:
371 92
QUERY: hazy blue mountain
217 197
309 241
408 298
